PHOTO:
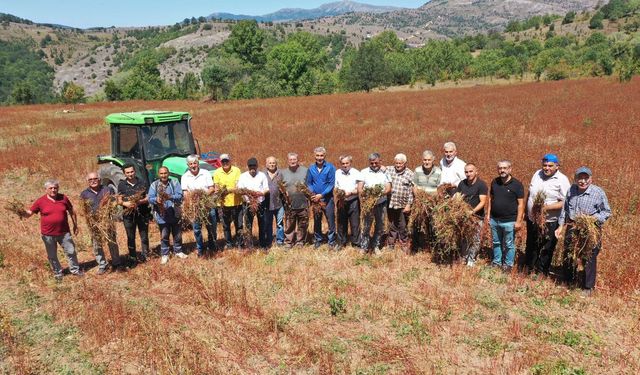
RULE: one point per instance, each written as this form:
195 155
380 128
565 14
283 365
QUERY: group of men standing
279 196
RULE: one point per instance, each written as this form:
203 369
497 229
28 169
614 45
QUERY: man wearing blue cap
553 185
583 198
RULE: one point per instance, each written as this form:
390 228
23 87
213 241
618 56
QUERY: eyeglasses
93 179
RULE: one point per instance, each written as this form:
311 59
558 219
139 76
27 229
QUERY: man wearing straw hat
94 194
583 198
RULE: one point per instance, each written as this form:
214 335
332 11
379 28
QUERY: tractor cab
148 140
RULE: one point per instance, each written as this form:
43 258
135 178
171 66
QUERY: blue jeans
211 232
329 213
268 224
503 235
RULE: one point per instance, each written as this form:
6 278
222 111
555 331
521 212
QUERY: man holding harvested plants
99 203
297 219
228 177
165 195
452 168
474 192
197 186
585 210
254 186
273 203
400 200
506 211
54 227
321 180
373 191
346 197
133 197
547 191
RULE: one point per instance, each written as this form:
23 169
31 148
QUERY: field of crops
318 311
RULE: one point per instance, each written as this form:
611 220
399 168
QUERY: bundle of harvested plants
101 219
286 200
162 198
317 207
339 196
538 213
253 196
196 207
453 221
586 236
16 207
220 195
133 198
422 210
368 200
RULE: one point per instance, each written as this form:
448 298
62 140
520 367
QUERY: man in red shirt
54 227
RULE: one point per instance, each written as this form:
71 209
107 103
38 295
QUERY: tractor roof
146 117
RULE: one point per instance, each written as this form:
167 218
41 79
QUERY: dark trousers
295 226
140 222
376 214
398 226
167 230
229 215
349 216
570 268
540 247
248 224
329 213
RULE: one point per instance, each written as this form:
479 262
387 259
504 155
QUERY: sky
119 13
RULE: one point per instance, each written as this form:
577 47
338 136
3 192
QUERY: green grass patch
559 367
489 301
409 324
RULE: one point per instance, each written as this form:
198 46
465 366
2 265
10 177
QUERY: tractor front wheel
110 175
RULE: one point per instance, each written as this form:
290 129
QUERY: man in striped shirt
583 198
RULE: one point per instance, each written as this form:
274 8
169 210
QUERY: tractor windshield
159 140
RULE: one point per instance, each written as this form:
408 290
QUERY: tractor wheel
111 175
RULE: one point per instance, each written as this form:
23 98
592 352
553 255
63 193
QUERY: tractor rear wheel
111 175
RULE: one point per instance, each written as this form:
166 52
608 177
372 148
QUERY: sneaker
181 255
506 269
165 259
317 245
471 262
586 293
101 271
377 251
58 276
78 273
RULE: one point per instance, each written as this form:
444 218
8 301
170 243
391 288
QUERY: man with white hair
54 227
452 167
321 179
297 219
347 180
194 179
427 176
400 200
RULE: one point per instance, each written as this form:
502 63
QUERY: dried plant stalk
101 220
453 221
586 236
368 200
162 198
339 197
286 200
220 195
16 207
422 210
133 198
538 213
253 196
196 207
316 207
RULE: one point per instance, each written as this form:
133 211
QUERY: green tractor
149 140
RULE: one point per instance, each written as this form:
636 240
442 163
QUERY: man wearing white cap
228 177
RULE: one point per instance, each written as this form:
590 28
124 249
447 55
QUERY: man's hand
75 229
316 198
407 209
518 225
558 231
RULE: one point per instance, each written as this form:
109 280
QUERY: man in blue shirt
583 198
166 197
321 179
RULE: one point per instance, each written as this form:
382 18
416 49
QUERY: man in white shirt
257 182
372 176
348 208
541 242
452 167
196 178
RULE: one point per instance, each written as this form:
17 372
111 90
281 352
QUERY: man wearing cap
321 179
506 211
583 198
452 167
297 219
553 185
273 203
255 181
196 178
228 177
